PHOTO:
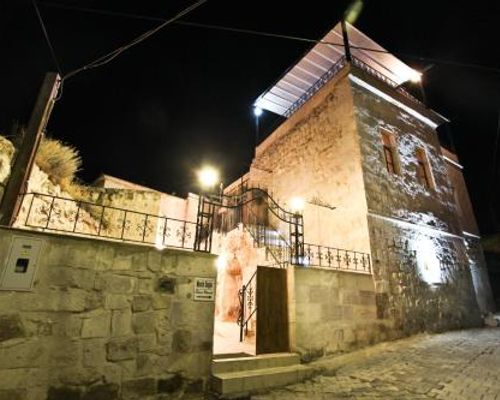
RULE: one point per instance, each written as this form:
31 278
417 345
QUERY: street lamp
208 177
297 204
257 112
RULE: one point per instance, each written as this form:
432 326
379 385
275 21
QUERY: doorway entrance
261 326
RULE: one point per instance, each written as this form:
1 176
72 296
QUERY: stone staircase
239 376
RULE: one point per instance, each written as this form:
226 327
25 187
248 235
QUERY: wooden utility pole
21 170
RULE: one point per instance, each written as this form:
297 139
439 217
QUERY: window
391 162
424 174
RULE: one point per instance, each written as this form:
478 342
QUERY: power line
274 35
47 38
115 53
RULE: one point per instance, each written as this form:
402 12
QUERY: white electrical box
19 271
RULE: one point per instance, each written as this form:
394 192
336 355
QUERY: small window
390 153
424 174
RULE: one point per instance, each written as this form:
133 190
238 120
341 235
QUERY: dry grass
6 153
59 161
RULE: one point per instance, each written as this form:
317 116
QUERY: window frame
425 177
390 152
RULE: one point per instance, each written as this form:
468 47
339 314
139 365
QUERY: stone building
352 226
364 157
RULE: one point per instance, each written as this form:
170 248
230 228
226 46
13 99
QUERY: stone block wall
315 155
335 311
401 195
105 321
480 277
422 268
423 281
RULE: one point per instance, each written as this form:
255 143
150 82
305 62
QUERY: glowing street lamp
297 204
257 111
208 177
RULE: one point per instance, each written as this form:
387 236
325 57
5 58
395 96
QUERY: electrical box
20 268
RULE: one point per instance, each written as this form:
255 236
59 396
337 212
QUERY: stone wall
480 276
335 311
421 263
422 278
105 321
401 195
465 212
315 155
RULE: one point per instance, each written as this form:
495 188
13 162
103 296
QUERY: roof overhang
322 62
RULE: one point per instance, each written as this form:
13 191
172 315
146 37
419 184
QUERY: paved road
454 365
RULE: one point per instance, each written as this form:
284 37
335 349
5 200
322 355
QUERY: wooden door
272 311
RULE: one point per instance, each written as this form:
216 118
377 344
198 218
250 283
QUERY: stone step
231 384
262 361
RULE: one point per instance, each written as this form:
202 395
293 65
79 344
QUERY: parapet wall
105 320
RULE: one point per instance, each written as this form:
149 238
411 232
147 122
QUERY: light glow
297 204
257 111
208 177
391 100
221 263
429 267
415 76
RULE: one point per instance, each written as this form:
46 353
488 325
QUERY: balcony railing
334 70
339 259
57 214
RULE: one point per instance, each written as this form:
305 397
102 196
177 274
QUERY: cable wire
47 38
276 36
115 53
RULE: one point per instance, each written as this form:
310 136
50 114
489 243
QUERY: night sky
183 97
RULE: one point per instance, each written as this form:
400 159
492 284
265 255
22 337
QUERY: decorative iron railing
58 214
340 259
372 71
247 296
270 225
334 70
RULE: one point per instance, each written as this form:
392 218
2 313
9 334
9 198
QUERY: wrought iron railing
339 259
334 70
372 71
58 214
247 296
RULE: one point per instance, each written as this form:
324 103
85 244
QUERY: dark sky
184 97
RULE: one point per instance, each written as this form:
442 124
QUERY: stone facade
105 321
426 262
335 312
315 155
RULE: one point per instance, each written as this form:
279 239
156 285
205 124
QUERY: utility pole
23 164
345 38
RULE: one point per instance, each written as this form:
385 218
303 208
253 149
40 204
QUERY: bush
6 154
59 161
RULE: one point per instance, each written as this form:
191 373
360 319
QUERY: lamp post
207 179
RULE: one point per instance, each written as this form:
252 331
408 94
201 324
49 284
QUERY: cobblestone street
453 365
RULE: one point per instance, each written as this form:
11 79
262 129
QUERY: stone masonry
105 320
329 152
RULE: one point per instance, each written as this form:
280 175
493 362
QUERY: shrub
59 161
6 154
